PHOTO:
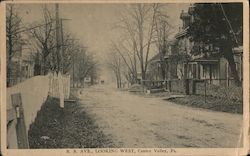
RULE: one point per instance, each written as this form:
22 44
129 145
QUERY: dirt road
135 121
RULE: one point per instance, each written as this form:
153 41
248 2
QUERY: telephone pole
57 38
62 45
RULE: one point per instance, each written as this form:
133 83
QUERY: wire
223 11
27 29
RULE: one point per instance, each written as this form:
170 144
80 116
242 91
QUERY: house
21 66
153 72
209 66
216 69
184 61
27 68
170 60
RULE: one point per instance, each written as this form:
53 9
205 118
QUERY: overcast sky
91 23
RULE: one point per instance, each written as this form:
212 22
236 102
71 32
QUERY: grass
198 101
70 127
152 95
212 103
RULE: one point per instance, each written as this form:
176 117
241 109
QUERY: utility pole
62 46
57 38
59 58
73 78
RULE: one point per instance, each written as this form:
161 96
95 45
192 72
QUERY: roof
238 49
206 60
181 33
184 15
172 42
155 58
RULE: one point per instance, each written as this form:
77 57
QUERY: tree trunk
120 82
9 59
234 71
163 63
9 52
226 49
43 64
169 70
119 76
117 79
143 76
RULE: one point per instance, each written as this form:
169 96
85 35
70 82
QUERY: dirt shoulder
70 127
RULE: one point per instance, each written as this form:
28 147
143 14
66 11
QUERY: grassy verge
70 127
211 103
198 101
152 95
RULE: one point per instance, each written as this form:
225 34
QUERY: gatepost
22 138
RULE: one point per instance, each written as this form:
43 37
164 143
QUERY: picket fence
59 86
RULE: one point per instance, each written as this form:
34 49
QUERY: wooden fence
218 88
224 90
59 86
25 99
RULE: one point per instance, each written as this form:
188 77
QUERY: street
138 122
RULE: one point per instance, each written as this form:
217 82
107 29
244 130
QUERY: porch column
210 73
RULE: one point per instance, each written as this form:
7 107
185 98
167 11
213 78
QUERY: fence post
193 87
22 138
187 86
143 87
169 86
61 89
205 94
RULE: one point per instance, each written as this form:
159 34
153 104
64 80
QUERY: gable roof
181 33
155 58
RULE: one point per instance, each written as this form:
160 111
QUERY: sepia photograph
124 78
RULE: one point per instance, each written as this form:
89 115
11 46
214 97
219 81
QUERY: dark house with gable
185 62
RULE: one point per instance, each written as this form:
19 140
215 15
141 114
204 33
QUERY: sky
92 24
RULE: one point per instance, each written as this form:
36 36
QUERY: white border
180 151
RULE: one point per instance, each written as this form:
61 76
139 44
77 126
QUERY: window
194 71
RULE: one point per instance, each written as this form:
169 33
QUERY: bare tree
162 32
13 38
129 60
114 63
70 50
85 65
45 39
138 22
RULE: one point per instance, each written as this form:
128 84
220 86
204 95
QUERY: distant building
21 66
87 79
154 71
